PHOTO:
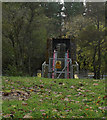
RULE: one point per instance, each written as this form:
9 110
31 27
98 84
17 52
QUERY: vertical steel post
71 71
49 68
65 65
77 69
53 65
55 59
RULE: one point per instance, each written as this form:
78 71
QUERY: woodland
26 26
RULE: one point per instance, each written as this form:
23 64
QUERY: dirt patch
15 94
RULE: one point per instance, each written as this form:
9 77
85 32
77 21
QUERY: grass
54 98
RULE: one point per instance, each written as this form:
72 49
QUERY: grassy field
31 97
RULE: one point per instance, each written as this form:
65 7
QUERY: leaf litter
60 95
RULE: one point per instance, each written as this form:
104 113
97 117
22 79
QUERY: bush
13 71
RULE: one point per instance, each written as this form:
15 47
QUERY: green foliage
24 36
73 8
26 27
88 44
13 71
89 32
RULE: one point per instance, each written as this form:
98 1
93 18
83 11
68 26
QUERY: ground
32 97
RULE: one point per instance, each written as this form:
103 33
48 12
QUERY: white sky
52 0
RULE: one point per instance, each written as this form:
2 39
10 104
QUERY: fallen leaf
54 110
41 86
42 110
62 116
72 86
67 110
103 108
76 101
32 90
6 116
23 103
87 108
60 83
95 84
43 114
40 100
66 99
27 116
95 80
6 94
87 90
68 95
98 101
20 98
105 97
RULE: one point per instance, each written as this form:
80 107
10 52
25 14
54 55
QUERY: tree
84 27
20 25
89 47
26 27
96 11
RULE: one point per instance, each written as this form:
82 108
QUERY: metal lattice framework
60 59
66 70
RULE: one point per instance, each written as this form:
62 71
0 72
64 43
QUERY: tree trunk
99 52
94 62
99 60
29 63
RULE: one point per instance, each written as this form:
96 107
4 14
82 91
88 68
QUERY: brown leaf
87 90
20 98
43 114
98 101
60 83
6 116
32 90
105 97
42 110
72 86
41 86
103 108
23 103
27 116
6 94
95 84
66 99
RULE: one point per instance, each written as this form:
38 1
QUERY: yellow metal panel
58 64
38 74
76 76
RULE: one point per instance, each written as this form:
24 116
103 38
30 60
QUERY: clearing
32 97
